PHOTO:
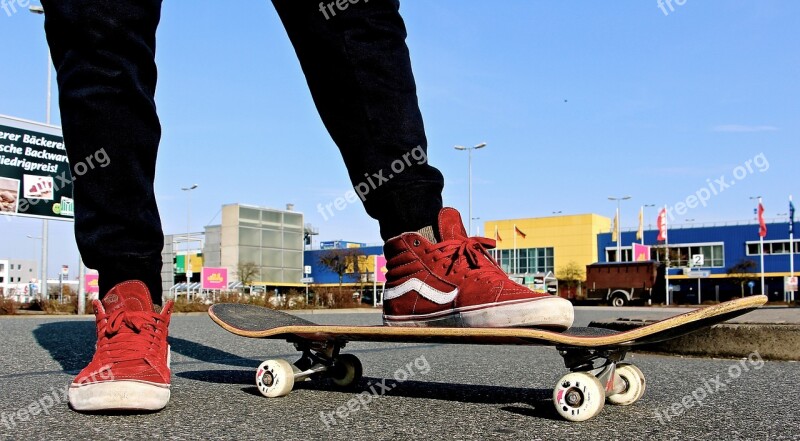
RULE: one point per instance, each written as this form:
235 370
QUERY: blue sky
577 102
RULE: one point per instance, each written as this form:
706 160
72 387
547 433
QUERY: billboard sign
214 278
35 176
91 282
380 269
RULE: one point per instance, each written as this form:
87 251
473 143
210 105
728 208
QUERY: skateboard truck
276 378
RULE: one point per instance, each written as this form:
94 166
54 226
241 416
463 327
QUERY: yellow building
546 244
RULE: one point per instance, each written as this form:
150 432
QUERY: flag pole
619 239
666 254
641 223
791 244
761 242
514 267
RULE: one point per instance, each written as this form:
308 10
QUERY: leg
358 69
104 55
103 52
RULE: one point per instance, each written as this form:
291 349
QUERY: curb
727 340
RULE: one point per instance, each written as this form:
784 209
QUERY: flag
791 216
762 226
497 234
662 224
640 231
518 231
614 229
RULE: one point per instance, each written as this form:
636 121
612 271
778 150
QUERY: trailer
622 283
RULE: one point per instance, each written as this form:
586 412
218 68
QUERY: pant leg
358 69
103 52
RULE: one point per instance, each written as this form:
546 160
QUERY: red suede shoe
130 368
457 283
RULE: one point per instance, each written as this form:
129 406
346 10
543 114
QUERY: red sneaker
457 283
130 368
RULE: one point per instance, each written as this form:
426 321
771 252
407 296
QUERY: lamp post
42 281
48 105
619 230
188 262
649 225
477 227
469 153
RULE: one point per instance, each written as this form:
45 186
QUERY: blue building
323 275
722 246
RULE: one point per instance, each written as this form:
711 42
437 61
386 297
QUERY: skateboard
594 356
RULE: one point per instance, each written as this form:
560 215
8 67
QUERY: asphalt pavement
408 391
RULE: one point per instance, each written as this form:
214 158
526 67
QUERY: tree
344 261
742 272
246 272
571 274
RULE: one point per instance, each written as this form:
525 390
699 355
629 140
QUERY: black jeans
358 70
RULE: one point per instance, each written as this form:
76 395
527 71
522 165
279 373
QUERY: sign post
306 274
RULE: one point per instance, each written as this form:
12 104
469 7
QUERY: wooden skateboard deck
593 355
258 322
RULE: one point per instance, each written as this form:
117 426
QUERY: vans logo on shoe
423 289
111 298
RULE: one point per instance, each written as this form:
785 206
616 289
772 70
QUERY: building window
528 260
772 247
681 255
611 254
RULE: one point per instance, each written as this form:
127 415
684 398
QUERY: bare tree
246 272
350 261
742 272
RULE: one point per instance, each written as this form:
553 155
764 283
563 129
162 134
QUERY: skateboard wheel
579 396
275 378
634 378
346 370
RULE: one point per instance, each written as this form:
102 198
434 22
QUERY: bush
70 306
334 297
7 307
181 305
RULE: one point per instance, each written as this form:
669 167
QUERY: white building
18 279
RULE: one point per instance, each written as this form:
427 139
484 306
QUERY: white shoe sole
118 395
542 312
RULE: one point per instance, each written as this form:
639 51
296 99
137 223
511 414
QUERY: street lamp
45 224
477 227
649 224
619 230
188 262
469 152
42 275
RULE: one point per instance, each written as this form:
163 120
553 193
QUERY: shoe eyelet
416 242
